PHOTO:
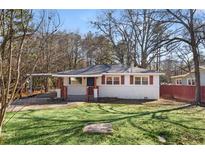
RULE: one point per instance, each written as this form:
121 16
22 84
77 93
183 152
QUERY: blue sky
73 20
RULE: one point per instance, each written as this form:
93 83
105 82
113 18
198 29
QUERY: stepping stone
161 139
102 128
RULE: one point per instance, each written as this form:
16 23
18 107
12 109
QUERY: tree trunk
196 59
144 62
1 130
2 114
197 79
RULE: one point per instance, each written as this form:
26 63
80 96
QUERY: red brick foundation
59 85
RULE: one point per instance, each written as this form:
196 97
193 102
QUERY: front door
90 81
90 86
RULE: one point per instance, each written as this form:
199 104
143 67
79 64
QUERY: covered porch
78 87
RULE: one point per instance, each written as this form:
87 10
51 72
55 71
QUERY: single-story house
116 81
189 78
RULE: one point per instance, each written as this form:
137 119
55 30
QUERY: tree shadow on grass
122 101
114 111
178 123
46 137
171 137
148 132
65 133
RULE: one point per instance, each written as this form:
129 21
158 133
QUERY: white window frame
141 80
194 82
191 79
113 80
147 80
107 78
178 81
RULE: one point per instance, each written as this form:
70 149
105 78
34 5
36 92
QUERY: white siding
202 77
98 80
76 90
192 76
128 91
125 91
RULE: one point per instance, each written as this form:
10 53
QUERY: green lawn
132 124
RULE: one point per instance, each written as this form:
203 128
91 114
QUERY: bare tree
184 55
14 28
141 33
189 25
108 26
98 49
45 42
17 28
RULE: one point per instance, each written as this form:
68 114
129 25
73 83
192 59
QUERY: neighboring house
115 81
189 78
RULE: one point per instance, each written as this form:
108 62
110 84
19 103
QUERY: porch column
95 89
63 89
30 85
59 87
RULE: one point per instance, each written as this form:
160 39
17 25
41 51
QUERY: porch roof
64 75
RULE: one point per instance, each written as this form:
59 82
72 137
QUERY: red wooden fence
181 92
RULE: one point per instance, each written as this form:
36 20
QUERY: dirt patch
140 102
15 108
63 104
171 101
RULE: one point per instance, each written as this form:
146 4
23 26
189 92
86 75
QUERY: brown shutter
151 79
69 80
131 79
103 79
122 79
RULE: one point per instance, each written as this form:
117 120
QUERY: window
76 81
138 80
191 81
144 80
178 81
109 80
116 80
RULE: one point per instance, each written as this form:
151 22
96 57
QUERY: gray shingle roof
105 68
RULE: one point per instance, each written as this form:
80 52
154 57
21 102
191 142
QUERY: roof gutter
133 73
57 75
98 75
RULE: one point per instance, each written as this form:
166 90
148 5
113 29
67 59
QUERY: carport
30 80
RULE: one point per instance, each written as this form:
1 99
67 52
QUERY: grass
132 124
